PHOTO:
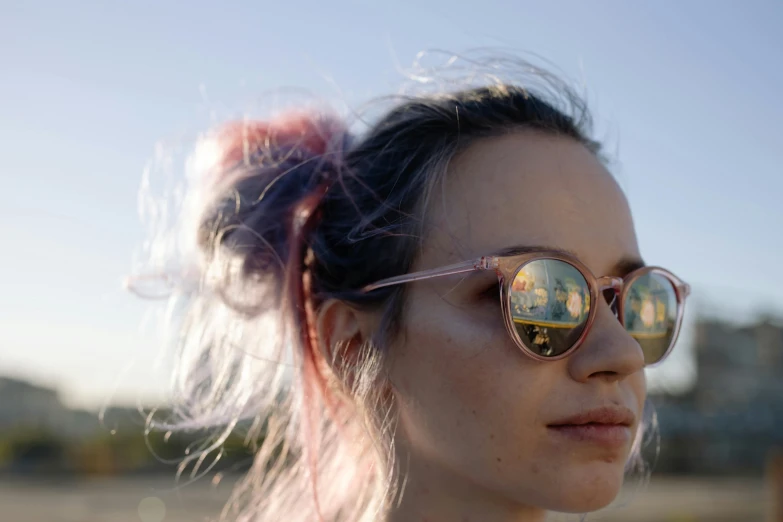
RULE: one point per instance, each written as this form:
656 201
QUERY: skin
473 409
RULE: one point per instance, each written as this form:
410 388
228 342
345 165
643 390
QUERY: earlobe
339 334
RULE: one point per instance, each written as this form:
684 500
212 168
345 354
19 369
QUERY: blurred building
40 436
738 368
733 416
26 406
24 403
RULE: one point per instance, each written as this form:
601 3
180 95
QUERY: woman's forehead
530 188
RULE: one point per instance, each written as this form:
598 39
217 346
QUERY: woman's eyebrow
622 267
527 249
627 265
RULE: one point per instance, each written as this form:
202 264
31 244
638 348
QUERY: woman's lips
608 427
606 435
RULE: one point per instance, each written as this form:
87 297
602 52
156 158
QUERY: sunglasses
547 300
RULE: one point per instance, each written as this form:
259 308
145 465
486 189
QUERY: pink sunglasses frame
506 268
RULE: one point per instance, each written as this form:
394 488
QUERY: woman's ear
340 337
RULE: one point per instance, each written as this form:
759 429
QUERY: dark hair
300 211
370 218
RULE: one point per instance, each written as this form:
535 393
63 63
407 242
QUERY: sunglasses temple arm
483 263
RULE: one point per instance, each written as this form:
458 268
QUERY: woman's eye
492 292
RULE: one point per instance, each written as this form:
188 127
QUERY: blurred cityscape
731 420
727 427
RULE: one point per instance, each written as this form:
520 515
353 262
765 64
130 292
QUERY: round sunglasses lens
650 314
550 303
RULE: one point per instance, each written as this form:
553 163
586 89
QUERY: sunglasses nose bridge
615 284
610 283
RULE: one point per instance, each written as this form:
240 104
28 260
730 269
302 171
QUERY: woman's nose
608 351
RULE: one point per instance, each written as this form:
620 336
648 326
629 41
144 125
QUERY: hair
280 216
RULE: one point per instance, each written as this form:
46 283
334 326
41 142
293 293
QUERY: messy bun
267 180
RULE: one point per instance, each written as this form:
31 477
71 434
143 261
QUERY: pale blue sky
686 93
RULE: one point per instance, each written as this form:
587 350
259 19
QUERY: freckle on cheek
491 436
499 459
535 469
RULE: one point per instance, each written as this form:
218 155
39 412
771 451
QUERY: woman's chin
588 491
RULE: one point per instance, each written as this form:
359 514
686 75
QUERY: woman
425 321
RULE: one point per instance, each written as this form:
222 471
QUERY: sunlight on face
474 410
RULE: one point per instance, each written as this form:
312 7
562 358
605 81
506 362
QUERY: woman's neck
431 493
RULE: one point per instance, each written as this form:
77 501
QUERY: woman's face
475 413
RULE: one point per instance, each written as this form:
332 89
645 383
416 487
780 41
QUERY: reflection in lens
650 314
550 303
